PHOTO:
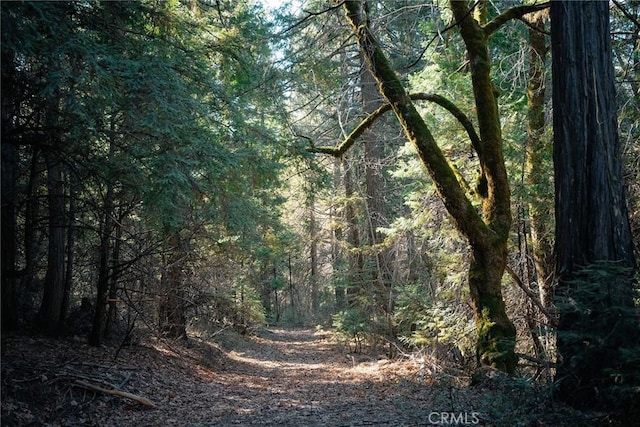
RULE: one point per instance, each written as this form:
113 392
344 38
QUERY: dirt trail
279 377
285 377
300 378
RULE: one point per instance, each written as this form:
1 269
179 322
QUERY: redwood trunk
592 227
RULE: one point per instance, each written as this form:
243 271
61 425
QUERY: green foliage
172 107
599 335
351 326
437 324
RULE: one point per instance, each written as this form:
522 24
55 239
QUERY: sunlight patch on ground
275 364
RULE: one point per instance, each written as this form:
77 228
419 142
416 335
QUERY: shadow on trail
299 377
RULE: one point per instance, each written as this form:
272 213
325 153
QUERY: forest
357 212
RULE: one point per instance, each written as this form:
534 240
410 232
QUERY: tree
165 123
595 258
486 232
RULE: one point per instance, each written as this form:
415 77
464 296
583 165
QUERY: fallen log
116 392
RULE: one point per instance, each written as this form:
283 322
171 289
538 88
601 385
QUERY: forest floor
277 377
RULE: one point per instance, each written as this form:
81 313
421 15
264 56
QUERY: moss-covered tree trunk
486 232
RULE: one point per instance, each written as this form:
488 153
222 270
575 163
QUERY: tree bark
53 297
592 227
95 338
487 235
375 202
537 149
173 322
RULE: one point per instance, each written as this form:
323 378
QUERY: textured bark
591 215
592 224
540 202
53 297
487 234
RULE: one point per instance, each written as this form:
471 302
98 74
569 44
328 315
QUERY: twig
550 317
125 381
542 362
115 392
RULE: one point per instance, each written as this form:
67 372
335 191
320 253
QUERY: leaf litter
277 377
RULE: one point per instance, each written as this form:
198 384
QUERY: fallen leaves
279 377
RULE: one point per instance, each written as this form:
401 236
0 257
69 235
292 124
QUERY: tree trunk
375 202
537 149
173 322
356 260
71 239
97 328
595 259
112 313
9 236
9 175
313 253
336 254
53 297
33 237
487 235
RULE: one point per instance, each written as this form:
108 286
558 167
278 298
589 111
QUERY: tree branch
435 36
455 112
311 14
354 135
536 301
348 142
627 14
142 400
513 13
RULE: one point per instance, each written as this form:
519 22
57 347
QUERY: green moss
496 341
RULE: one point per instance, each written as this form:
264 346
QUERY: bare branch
627 14
514 13
116 392
311 14
536 301
435 36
